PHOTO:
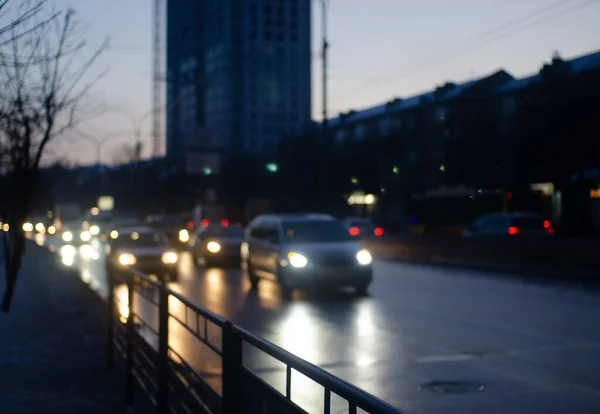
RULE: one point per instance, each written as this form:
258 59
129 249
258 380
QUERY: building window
341 135
360 131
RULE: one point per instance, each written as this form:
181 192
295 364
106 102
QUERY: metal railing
171 383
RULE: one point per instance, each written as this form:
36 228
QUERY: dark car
172 226
144 249
510 224
217 243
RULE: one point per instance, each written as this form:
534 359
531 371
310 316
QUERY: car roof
138 229
297 217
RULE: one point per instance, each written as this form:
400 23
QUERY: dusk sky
380 49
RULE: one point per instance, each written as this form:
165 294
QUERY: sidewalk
53 344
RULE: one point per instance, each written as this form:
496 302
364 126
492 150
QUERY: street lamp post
99 142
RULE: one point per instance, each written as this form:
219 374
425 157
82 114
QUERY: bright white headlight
297 260
127 259
85 236
213 247
95 230
67 236
184 235
169 258
364 257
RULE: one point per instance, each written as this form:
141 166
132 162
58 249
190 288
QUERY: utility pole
157 50
325 46
323 179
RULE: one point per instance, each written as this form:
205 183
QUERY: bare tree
46 78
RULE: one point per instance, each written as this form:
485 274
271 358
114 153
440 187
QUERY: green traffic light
272 167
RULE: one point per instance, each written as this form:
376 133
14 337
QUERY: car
362 227
144 249
71 233
305 251
173 227
510 224
217 243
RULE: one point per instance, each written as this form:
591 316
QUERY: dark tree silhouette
45 80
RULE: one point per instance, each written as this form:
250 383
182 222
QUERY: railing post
110 354
233 398
163 351
130 337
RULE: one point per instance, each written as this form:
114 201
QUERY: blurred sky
379 49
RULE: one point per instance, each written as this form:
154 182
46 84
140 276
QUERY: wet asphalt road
514 345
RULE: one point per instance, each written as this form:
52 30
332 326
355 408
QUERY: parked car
305 251
510 224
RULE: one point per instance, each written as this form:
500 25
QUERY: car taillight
550 230
353 231
546 224
378 231
513 230
189 225
225 223
204 223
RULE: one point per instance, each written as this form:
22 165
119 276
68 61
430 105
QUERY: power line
470 45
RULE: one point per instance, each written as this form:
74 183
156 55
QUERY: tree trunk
13 259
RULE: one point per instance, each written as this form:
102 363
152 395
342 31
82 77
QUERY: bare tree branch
45 79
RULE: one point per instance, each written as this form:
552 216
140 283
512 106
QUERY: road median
573 258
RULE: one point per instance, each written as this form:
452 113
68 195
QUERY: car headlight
364 257
213 247
67 236
169 258
184 236
40 228
297 260
85 236
95 230
114 234
27 227
51 230
127 259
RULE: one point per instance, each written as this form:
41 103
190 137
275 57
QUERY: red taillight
189 225
546 224
550 230
513 230
353 231
204 223
225 223
378 231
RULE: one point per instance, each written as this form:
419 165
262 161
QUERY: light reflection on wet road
535 347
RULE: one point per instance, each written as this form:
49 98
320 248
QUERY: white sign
106 203
362 199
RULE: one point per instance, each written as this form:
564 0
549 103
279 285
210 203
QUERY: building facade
239 72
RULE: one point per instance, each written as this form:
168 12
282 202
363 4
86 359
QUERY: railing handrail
211 316
355 396
335 384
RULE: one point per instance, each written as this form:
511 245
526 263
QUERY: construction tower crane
158 76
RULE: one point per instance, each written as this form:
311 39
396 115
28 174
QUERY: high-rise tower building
238 76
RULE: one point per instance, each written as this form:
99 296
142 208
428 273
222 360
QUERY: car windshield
315 232
529 223
229 232
133 239
165 221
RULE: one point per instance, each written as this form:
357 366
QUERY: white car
305 251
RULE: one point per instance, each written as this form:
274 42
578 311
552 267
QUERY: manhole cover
452 387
